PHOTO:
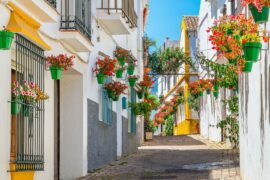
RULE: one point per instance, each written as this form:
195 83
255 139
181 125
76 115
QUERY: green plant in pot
31 94
115 89
16 98
119 70
57 64
140 94
121 55
104 67
132 80
252 45
6 38
131 65
259 10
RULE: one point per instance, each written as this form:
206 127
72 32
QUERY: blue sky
165 17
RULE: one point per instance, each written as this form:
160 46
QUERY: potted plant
104 68
16 98
57 64
149 129
115 89
31 93
6 38
121 55
131 65
180 91
259 9
119 70
208 86
140 94
132 80
251 46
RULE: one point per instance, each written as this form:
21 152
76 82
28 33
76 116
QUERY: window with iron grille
106 105
76 15
27 132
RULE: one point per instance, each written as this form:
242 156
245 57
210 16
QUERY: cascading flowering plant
121 53
195 88
105 66
16 90
208 85
32 93
60 61
115 88
259 4
146 82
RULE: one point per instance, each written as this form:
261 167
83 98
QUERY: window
27 127
132 116
106 105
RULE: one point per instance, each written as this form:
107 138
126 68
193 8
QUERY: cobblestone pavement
179 157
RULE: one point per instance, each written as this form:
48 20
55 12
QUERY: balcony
43 10
75 26
117 16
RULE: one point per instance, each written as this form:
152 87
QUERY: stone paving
179 157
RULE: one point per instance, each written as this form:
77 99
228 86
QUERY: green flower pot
252 51
132 81
27 110
130 70
6 38
259 17
15 106
121 61
215 94
229 31
201 94
248 66
119 73
237 37
115 98
56 72
100 78
140 94
215 88
208 91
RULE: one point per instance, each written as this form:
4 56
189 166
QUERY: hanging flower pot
259 17
140 94
132 81
201 94
215 88
121 61
15 106
58 64
56 72
215 94
130 70
115 98
248 66
115 89
229 31
208 91
252 51
119 73
6 38
100 78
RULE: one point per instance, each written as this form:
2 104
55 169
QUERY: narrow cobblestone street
179 157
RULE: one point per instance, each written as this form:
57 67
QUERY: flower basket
28 110
100 78
248 66
15 106
132 81
259 17
121 61
140 94
6 38
56 72
252 51
130 70
119 73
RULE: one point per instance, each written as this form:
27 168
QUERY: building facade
78 129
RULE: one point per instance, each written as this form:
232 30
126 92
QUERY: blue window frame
106 105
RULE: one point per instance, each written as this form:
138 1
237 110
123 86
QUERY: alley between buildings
177 157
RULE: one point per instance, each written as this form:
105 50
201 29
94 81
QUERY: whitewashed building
253 98
69 135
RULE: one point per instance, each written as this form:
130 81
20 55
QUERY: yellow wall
188 126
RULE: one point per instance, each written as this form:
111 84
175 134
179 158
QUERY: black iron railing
27 149
52 2
126 7
76 15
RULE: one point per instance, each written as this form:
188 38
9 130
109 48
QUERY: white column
119 128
